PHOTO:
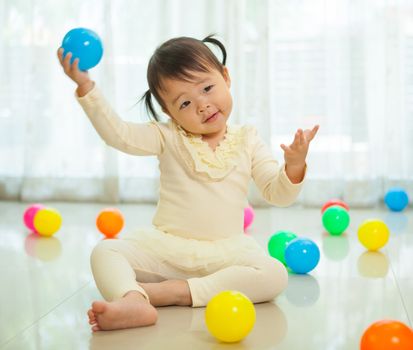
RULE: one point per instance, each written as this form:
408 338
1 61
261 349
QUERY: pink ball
248 216
335 202
29 214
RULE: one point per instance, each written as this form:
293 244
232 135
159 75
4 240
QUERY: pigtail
147 97
210 39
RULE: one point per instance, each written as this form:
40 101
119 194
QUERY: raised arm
271 178
132 138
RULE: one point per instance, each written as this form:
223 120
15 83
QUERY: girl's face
201 106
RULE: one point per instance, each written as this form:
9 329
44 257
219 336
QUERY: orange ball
387 335
110 221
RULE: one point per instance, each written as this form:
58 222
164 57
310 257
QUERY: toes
98 306
92 316
96 328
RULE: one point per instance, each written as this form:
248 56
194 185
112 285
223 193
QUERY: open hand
295 154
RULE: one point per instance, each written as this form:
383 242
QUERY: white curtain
345 64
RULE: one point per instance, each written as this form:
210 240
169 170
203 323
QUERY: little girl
196 246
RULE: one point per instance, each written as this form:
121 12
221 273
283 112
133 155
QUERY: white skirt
191 254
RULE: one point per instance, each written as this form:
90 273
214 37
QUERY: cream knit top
202 192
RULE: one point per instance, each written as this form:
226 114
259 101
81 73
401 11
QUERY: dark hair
176 59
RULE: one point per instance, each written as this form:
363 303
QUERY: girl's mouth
212 118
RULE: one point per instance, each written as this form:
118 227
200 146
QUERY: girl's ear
227 78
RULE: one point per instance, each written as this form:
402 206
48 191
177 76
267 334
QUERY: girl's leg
117 266
258 276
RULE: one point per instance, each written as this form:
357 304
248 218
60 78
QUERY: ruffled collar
201 160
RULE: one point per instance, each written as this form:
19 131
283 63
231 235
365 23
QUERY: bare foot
133 310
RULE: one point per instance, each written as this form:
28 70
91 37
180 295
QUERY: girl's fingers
284 147
60 54
308 135
75 65
313 132
66 58
315 129
66 62
301 137
296 138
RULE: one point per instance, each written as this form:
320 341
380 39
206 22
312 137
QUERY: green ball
277 244
336 220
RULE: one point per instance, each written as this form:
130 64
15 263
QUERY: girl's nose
203 107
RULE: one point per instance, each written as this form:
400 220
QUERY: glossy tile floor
47 287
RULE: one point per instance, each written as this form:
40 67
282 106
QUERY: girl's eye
208 88
184 104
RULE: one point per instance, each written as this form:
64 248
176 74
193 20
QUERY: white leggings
118 265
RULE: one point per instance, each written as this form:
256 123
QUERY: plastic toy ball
373 234
109 222
248 217
302 255
47 221
230 316
387 335
277 244
84 44
335 220
29 214
396 199
335 202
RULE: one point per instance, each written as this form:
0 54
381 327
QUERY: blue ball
396 199
84 44
302 255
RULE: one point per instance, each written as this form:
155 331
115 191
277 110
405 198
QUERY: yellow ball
47 221
230 316
373 234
